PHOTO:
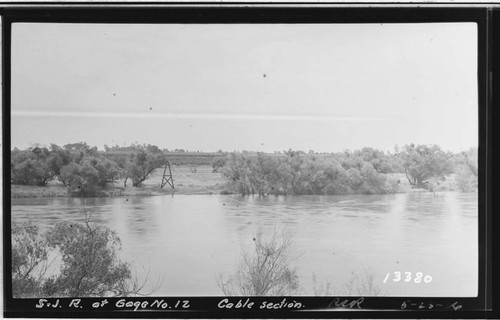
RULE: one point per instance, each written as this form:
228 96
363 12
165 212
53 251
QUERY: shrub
89 263
465 180
89 176
373 182
31 172
358 284
29 260
423 162
322 288
142 164
299 173
264 272
90 266
362 284
36 166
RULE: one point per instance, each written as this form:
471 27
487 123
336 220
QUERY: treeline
366 171
87 171
134 146
83 169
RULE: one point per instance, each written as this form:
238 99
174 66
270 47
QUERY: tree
57 159
465 180
469 160
31 167
142 164
466 169
92 172
373 182
89 261
218 163
236 171
378 159
78 146
38 165
90 266
423 162
301 173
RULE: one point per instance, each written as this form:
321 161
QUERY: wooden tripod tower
167 176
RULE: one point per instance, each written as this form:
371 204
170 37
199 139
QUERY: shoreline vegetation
78 170
186 182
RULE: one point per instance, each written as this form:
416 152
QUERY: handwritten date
420 305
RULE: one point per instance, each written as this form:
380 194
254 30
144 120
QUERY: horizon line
225 116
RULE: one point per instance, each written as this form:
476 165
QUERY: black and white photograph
270 159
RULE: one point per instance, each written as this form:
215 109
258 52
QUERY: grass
49 191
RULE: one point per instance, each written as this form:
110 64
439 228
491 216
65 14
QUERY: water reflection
192 238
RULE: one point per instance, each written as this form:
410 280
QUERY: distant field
192 158
179 158
199 158
189 179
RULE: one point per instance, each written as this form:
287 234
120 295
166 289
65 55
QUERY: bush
142 164
299 173
264 272
36 166
363 284
29 260
465 180
373 182
90 176
90 266
89 263
31 172
423 162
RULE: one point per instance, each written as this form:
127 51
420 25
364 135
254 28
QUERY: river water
189 240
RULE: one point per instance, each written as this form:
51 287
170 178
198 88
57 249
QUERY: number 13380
398 276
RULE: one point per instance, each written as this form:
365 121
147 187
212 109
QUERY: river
189 240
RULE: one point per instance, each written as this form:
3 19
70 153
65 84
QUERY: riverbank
188 179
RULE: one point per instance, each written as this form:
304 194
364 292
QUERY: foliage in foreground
29 260
89 265
266 271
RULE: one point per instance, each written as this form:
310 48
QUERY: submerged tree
423 162
300 173
466 169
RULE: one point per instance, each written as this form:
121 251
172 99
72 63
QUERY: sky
256 87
